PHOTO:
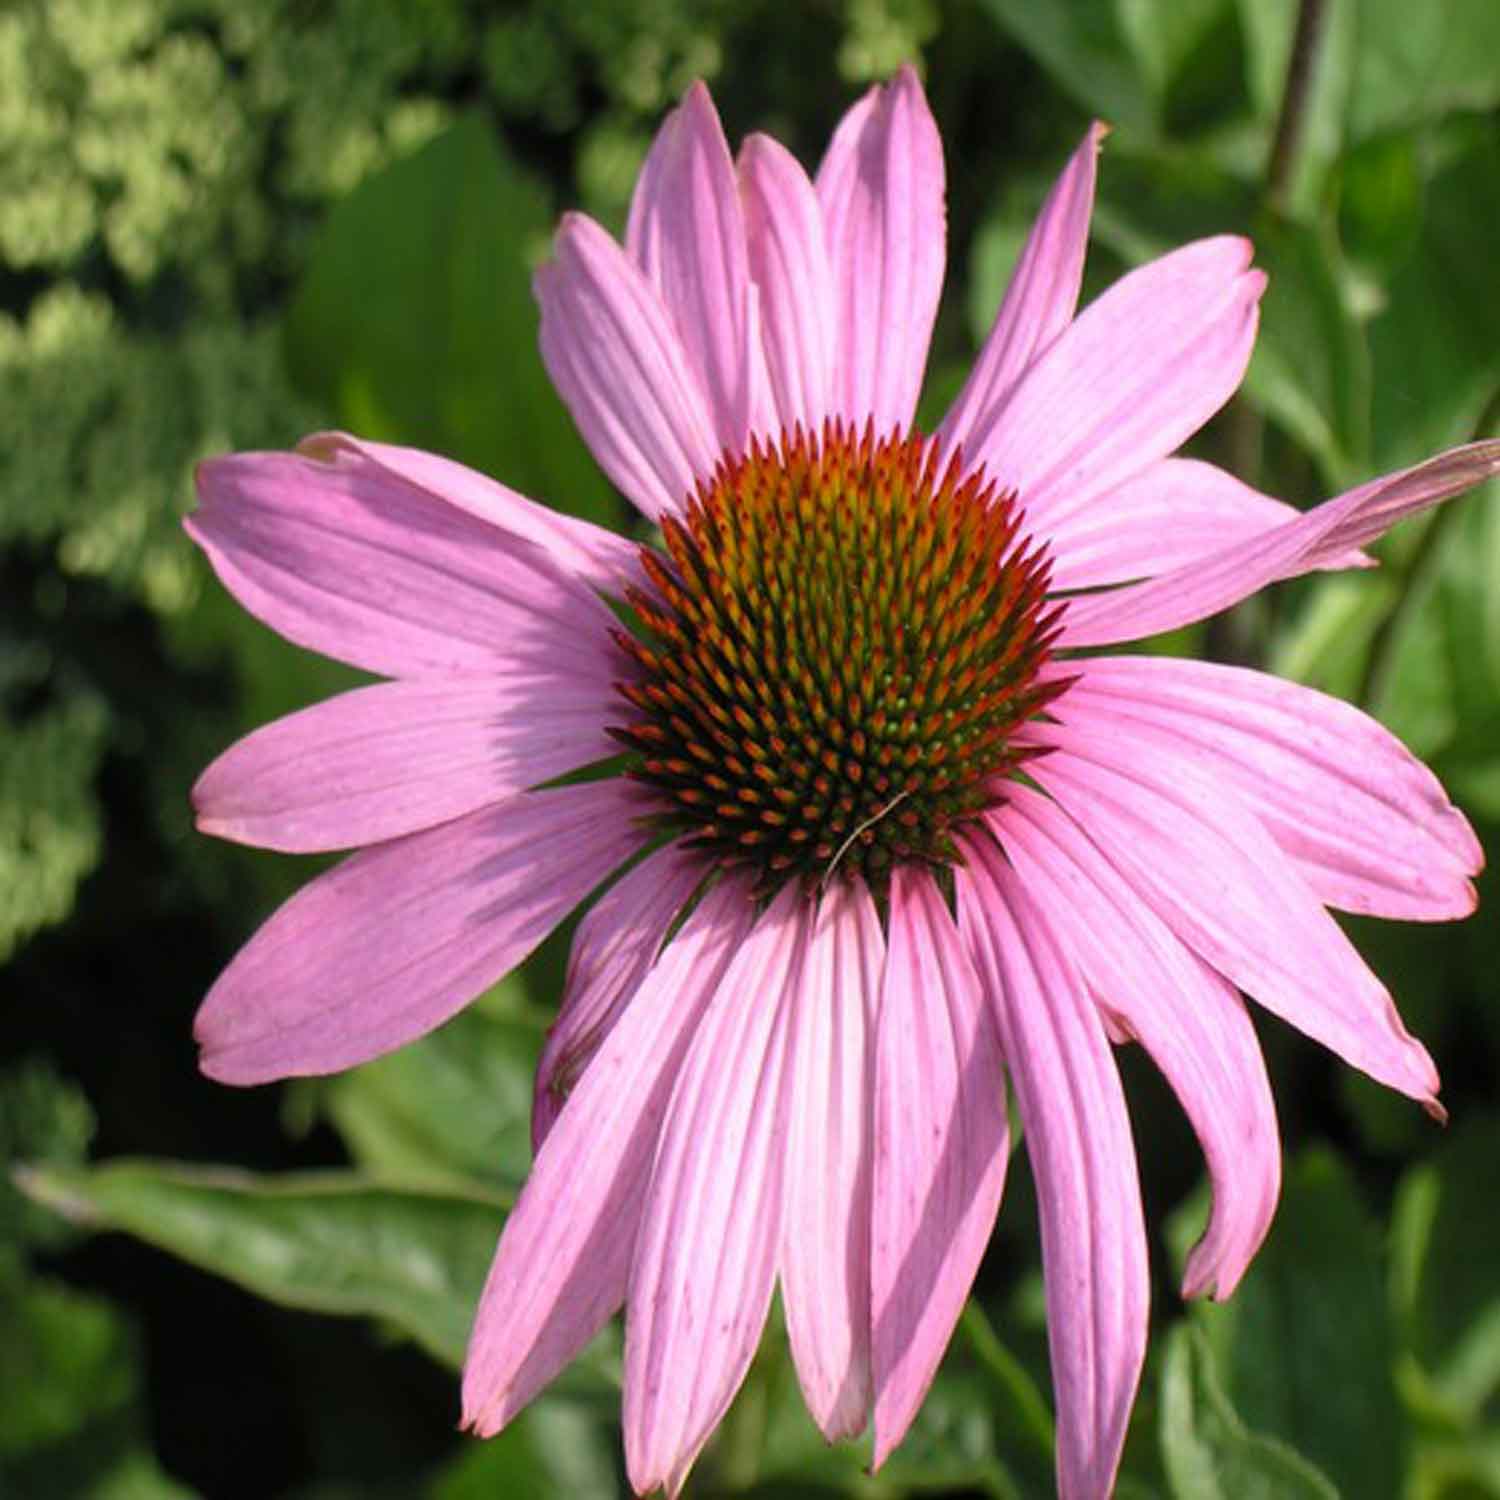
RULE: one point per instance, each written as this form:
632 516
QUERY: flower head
896 843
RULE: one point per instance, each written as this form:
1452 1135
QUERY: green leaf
1327 642
1435 347
1417 62
456 1104
1151 202
328 1242
1468 611
554 1450
1311 367
1381 190
415 322
1168 39
1445 1248
1084 46
1304 1348
1210 1453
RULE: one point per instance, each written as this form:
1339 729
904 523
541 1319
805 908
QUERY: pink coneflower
896 841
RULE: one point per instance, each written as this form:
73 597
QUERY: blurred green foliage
223 225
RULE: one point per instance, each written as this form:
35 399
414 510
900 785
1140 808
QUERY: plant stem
1299 72
1238 636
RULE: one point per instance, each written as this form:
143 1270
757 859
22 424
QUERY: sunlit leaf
1210 1453
1303 1350
455 1104
327 1242
1446 1246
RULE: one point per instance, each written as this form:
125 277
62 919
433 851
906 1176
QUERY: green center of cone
832 656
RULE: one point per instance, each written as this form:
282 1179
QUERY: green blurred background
224 223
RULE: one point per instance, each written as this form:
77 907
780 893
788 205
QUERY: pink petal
598 557
393 941
1315 540
1187 1016
881 191
825 1246
789 261
1213 874
1078 1138
1141 369
1040 300
1173 513
1367 824
705 1259
687 235
614 948
621 368
941 1148
398 757
561 1269
349 559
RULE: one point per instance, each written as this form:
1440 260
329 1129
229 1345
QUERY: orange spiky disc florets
833 654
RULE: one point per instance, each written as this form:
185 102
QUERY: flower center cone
832 655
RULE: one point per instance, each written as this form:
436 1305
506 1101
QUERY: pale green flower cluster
160 168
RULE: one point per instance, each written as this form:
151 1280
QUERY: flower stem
1299 73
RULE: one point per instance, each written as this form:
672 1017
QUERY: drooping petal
881 190
705 1258
620 366
614 948
1172 513
1186 1015
1367 824
561 1268
1082 1157
1213 874
1141 369
941 1148
825 1243
1314 540
1040 300
393 941
687 234
601 558
397 757
789 263
351 560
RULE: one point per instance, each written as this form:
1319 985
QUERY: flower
895 840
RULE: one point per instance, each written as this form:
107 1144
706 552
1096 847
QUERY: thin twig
1299 73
